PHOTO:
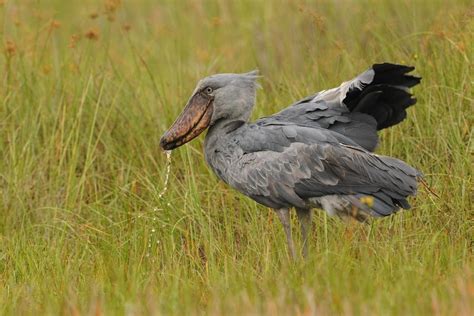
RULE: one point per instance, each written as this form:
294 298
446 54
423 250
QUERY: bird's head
229 97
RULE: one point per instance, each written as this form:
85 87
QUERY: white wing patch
340 92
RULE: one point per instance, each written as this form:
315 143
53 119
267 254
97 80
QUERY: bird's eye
208 90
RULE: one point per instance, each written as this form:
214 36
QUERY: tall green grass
88 87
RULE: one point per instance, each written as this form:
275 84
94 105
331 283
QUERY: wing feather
299 171
374 100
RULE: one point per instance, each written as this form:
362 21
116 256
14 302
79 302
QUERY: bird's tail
361 206
391 193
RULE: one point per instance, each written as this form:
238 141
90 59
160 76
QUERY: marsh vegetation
87 89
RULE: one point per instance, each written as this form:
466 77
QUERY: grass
88 87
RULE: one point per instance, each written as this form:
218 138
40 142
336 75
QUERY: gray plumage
318 151
286 165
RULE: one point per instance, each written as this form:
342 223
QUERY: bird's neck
225 126
220 129
219 147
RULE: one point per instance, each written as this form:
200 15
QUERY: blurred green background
87 89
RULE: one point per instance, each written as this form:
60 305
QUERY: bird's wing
374 100
281 167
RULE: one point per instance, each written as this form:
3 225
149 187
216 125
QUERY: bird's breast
223 158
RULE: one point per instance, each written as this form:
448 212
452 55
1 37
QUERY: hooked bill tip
165 145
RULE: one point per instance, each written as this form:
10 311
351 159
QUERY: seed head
10 48
367 200
92 34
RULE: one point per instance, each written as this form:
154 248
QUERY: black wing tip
394 74
396 69
386 66
411 81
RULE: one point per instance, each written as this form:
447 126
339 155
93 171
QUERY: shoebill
316 153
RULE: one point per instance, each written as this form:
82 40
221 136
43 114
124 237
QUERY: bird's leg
284 216
304 217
